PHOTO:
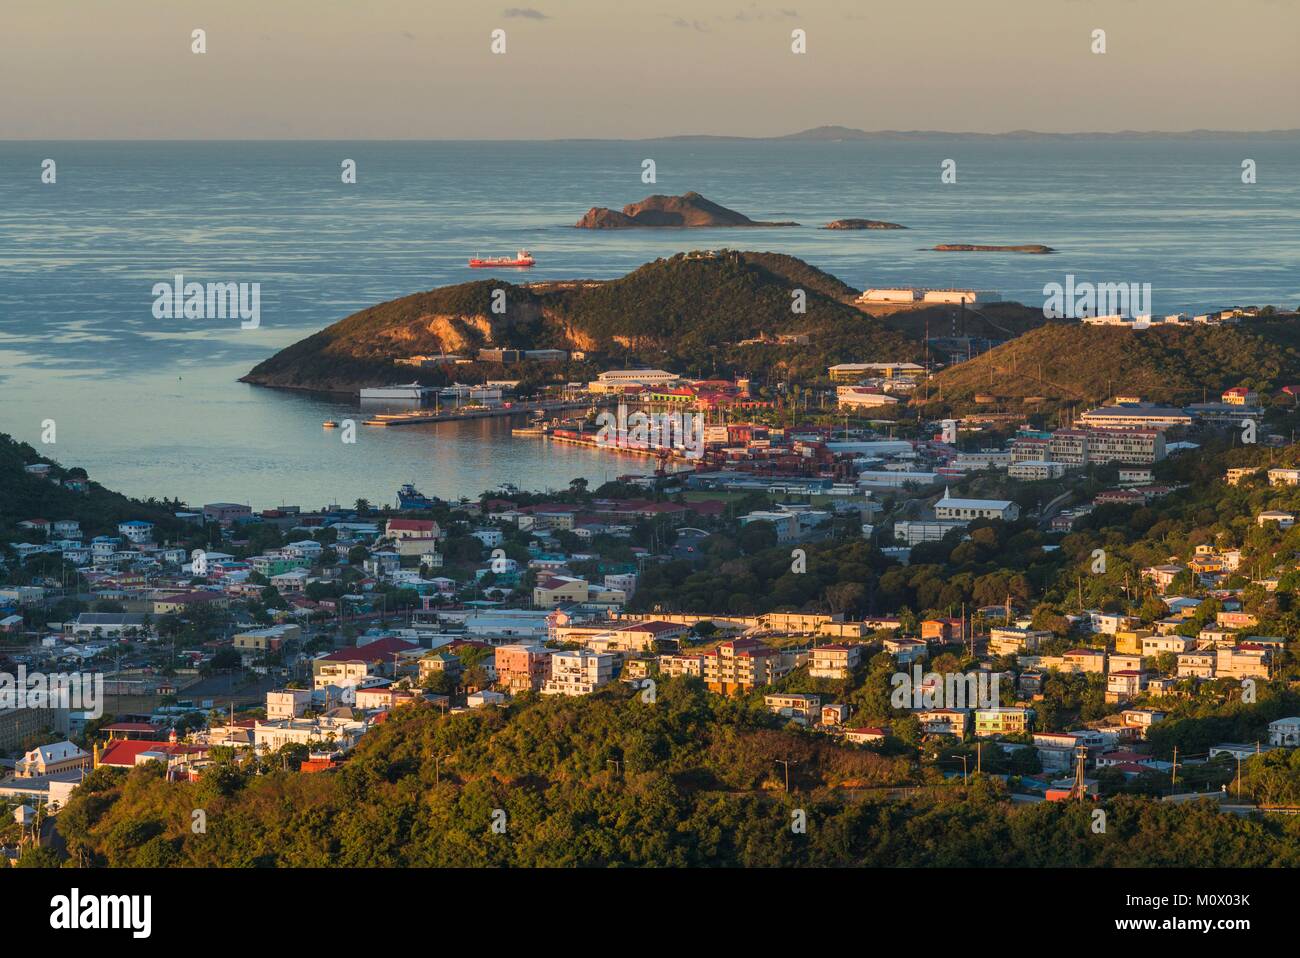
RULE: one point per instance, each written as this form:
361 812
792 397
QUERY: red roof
412 525
1126 757
124 752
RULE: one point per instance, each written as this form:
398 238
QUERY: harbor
418 417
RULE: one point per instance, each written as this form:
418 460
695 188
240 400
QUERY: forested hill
605 779
26 496
688 312
1080 366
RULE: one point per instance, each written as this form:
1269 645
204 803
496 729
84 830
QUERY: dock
420 417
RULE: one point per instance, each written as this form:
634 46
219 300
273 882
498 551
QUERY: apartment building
676 666
1056 750
742 664
1010 720
911 532
1284 477
1198 665
287 703
835 661
1008 640
1085 660
1034 470
942 630
522 668
944 721
1122 685
1242 662
579 672
1153 645
1125 661
1142 719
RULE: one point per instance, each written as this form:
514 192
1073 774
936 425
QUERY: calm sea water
153 407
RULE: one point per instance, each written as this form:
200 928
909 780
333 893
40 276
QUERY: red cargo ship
521 258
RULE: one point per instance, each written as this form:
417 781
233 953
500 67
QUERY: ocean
153 407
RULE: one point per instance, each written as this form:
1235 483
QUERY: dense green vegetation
680 312
26 496
1165 364
696 783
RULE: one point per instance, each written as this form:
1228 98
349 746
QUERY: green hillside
99 510
1077 365
688 312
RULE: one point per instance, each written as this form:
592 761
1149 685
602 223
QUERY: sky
424 69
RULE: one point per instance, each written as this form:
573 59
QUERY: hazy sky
351 69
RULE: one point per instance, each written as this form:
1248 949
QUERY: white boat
407 391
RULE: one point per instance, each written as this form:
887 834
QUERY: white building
1284 732
136 530
862 397
616 380
913 531
1032 470
578 673
835 661
270 736
950 507
287 703
1284 520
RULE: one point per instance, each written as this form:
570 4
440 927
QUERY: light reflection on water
155 408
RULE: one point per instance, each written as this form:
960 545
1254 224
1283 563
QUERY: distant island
690 210
1036 248
842 134
856 224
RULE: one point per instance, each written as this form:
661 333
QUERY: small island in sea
1035 248
690 210
860 224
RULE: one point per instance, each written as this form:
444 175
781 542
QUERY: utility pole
965 778
1173 781
979 758
1080 790
787 763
